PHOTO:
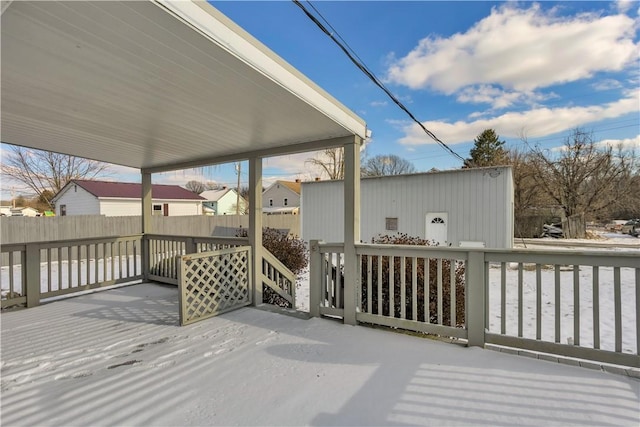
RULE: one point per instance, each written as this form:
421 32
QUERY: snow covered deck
118 357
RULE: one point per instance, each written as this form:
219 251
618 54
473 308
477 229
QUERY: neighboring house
222 202
88 197
282 197
465 207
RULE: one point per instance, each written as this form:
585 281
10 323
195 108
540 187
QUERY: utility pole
238 170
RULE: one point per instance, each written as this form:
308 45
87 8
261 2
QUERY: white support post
351 228
255 227
147 202
475 299
315 278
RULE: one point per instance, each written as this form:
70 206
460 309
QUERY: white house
88 197
282 197
464 207
223 202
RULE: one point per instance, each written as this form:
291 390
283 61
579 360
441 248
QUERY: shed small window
157 210
437 220
391 224
63 210
285 202
270 202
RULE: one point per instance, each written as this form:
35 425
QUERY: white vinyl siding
479 203
278 193
78 202
130 207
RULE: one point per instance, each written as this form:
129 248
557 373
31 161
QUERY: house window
157 209
391 224
285 202
270 202
63 210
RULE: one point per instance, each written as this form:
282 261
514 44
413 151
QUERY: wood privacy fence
47 229
583 305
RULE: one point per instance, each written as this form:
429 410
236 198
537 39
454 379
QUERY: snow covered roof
215 195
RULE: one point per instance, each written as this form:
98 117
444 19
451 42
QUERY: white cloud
623 6
378 103
624 144
606 84
521 50
498 98
533 123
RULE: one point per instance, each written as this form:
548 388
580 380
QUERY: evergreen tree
487 151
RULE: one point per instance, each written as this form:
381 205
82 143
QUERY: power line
360 65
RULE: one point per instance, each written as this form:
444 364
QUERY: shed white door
436 227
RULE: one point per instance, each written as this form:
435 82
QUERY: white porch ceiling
154 85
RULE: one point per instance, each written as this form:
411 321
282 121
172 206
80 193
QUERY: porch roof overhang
155 85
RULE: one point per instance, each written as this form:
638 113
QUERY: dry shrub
289 250
458 271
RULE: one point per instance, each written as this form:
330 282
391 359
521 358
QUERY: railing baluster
576 304
338 289
557 302
596 306
70 266
59 268
392 290
414 288
617 301
332 281
403 288
520 298
503 298
369 285
323 278
452 292
379 285
427 290
487 293
113 261
49 270
11 269
88 263
538 301
79 255
439 291
104 261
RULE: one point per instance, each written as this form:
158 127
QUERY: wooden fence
47 229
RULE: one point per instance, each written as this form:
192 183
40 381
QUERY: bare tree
330 162
44 172
196 187
389 164
581 178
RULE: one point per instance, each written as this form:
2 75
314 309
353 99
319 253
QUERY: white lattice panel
214 282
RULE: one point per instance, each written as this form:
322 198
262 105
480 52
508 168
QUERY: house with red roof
89 197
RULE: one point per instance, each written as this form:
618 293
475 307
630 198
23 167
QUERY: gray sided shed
466 207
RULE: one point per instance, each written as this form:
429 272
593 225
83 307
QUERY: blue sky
522 68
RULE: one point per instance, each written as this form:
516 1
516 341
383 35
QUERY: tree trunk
574 227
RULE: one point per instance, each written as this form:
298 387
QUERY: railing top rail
278 265
216 252
559 257
199 239
71 242
412 251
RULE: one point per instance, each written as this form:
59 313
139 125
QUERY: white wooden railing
545 301
35 271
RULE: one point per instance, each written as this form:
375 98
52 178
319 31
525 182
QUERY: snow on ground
119 358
